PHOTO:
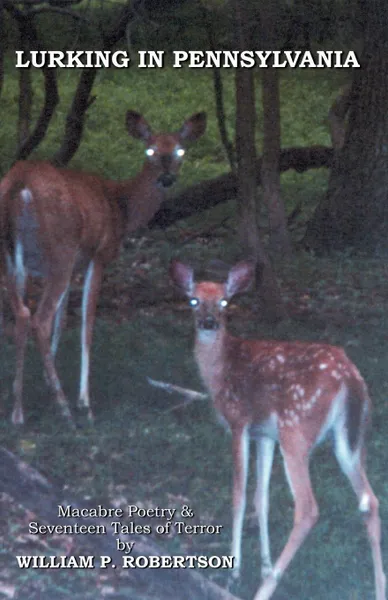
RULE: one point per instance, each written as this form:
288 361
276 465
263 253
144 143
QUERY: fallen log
212 192
35 493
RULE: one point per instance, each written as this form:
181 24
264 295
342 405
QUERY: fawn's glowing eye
223 303
193 302
180 152
150 152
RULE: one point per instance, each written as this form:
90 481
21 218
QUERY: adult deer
293 393
53 221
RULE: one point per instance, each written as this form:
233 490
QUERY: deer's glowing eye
193 302
180 152
150 152
223 303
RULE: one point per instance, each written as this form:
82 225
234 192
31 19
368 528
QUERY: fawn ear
239 278
193 128
183 276
137 126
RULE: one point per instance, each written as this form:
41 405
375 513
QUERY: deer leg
240 453
60 316
42 323
305 517
91 290
22 321
264 457
352 464
1 307
16 279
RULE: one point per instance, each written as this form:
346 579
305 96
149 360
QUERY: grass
141 451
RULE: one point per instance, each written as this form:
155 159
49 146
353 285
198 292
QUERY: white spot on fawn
315 396
26 195
364 503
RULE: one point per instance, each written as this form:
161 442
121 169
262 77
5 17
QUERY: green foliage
167 97
180 24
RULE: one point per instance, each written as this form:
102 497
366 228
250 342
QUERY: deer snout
166 179
208 322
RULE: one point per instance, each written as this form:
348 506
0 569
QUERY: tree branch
218 93
76 116
171 388
209 193
53 2
28 144
51 99
57 9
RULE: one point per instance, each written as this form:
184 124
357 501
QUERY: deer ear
239 278
137 126
193 128
183 276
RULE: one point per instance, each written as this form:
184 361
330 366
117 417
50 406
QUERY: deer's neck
138 198
210 353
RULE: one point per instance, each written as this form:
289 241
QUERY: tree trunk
279 239
245 140
75 119
355 210
337 117
246 162
250 241
25 85
2 45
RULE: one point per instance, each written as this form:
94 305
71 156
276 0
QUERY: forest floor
147 450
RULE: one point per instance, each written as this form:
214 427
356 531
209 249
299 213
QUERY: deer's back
69 211
267 383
